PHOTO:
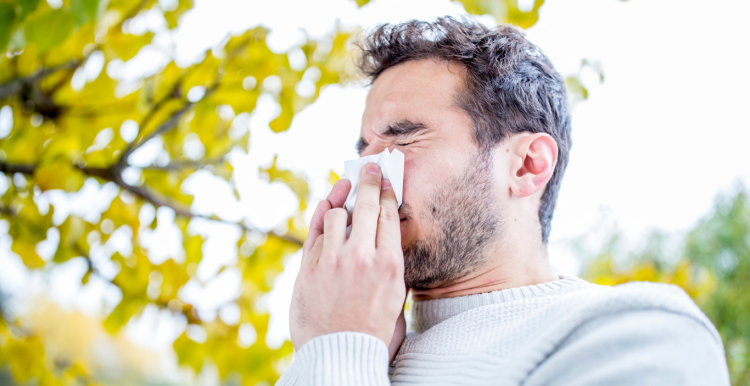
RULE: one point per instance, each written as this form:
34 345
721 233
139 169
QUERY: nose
374 148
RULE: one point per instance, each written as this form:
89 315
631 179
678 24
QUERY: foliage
712 266
65 133
76 124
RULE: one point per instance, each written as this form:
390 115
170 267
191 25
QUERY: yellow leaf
333 177
26 358
126 46
284 120
59 175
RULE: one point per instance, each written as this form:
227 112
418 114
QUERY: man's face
450 212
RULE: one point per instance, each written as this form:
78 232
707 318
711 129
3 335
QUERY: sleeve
636 348
342 358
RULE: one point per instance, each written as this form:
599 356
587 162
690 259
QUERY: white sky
653 145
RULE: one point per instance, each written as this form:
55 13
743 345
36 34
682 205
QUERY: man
481 117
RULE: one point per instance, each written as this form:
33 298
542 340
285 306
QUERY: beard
464 221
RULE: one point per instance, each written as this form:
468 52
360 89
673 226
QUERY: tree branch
173 120
167 125
16 168
16 86
179 165
7 210
154 198
122 163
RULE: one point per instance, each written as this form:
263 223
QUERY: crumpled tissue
391 165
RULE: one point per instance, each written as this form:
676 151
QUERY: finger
389 225
335 199
335 228
316 251
316 227
367 206
338 194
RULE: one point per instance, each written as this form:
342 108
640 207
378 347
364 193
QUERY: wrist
346 356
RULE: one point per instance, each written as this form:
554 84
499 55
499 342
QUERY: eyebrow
397 129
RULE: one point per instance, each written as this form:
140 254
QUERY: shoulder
644 333
645 347
593 304
639 297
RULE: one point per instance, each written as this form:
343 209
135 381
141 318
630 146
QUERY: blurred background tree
711 263
74 123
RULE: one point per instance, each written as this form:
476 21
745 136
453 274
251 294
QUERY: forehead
418 90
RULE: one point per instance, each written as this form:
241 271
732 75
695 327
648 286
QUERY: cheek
419 184
416 189
414 184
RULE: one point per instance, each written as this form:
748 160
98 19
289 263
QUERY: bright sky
653 145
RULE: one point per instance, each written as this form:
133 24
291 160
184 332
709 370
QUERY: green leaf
50 29
361 3
7 17
576 88
27 7
85 10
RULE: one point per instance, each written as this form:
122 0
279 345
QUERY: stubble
464 220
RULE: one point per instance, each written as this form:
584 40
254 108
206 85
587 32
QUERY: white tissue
391 165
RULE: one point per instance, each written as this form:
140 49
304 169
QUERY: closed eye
361 145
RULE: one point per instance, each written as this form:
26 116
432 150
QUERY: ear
535 157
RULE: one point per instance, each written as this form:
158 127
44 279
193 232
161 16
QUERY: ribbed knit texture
349 358
504 337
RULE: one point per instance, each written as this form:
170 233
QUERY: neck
508 269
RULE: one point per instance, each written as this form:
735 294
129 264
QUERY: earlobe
534 164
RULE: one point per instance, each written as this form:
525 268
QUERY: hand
354 284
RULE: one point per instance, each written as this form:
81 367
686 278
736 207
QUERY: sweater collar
428 313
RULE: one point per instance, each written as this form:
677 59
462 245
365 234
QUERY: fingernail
373 168
385 184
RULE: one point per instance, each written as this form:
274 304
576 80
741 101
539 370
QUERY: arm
648 347
342 358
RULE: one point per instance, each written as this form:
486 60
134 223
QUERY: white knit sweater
565 332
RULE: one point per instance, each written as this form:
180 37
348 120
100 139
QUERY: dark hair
510 86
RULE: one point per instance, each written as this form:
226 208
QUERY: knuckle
390 267
386 214
362 264
360 252
321 207
369 207
332 215
329 261
370 180
340 212
318 242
